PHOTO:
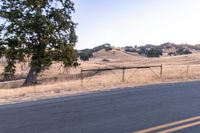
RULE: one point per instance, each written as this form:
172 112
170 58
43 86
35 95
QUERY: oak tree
40 29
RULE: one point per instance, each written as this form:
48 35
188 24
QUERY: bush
143 50
154 52
130 49
108 48
85 54
171 53
105 60
183 51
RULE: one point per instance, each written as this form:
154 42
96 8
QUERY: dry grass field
57 81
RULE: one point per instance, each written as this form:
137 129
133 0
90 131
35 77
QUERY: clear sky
136 22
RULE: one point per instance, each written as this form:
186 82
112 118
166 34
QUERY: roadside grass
58 81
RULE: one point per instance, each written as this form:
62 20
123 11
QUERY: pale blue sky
136 22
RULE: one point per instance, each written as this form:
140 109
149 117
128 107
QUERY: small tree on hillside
40 29
154 52
85 54
183 51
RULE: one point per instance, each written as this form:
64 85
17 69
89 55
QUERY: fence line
120 68
186 71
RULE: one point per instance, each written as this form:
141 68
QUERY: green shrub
183 51
85 54
154 52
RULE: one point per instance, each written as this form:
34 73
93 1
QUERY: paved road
121 111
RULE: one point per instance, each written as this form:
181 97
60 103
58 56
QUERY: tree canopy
40 29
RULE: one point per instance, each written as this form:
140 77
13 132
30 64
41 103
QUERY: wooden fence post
187 71
161 70
123 76
81 77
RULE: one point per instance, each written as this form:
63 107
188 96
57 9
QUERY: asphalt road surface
155 108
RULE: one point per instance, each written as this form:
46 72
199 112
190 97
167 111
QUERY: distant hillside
148 50
166 49
85 54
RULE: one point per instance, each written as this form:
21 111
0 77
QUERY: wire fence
82 80
56 72
139 74
116 70
112 75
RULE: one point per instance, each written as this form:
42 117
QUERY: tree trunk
31 78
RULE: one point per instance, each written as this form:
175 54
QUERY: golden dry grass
57 81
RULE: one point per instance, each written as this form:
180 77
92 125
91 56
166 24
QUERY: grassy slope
60 82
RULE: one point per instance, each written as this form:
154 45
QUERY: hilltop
60 81
165 49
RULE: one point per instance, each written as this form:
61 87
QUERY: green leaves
42 29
